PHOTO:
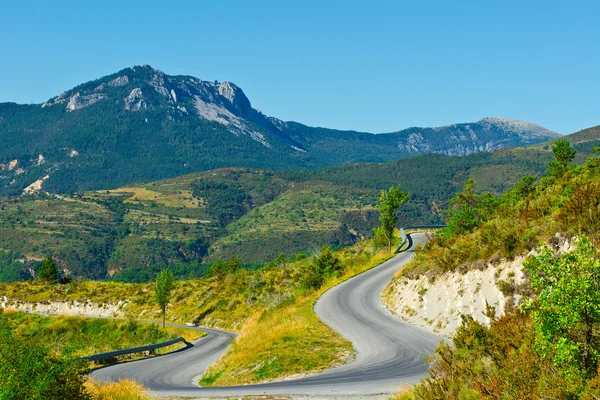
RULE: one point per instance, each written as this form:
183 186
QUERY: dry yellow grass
280 333
290 339
182 198
406 394
123 390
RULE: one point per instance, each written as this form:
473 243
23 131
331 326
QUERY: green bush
30 370
323 266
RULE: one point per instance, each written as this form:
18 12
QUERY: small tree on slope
48 272
563 155
162 290
389 201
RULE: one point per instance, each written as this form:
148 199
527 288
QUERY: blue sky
373 66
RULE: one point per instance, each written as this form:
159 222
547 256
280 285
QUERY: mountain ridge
140 124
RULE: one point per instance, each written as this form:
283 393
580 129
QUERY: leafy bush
222 268
322 266
30 370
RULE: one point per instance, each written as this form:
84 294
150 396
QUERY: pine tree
48 272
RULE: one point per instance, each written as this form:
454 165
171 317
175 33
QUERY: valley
281 297
187 223
299 201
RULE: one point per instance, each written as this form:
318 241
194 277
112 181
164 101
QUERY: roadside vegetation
547 347
290 339
485 226
87 336
40 356
130 234
271 308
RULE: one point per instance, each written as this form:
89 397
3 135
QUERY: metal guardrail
139 349
406 238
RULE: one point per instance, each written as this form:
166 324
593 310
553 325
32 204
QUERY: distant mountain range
187 222
140 124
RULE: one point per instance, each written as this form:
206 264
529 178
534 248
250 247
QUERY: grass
280 335
181 198
123 390
103 234
87 336
297 220
290 339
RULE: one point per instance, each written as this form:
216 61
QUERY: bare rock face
77 102
135 100
235 96
119 81
36 186
521 127
62 98
158 81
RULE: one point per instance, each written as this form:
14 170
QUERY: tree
567 313
525 186
389 201
221 268
469 210
48 271
323 265
563 155
162 290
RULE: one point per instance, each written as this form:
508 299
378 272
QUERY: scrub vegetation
87 336
40 356
271 308
547 347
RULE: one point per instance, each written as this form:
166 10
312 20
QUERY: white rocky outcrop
134 100
36 186
119 81
158 82
227 90
521 127
437 304
236 125
74 308
62 98
213 112
9 165
77 101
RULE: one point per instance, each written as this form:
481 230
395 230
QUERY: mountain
141 124
186 222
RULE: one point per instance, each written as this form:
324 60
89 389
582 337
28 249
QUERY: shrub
322 266
30 370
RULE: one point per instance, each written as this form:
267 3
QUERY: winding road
389 351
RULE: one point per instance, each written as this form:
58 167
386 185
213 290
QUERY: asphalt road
390 352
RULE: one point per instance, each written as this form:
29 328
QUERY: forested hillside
188 222
141 124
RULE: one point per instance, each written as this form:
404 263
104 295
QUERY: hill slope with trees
140 124
189 222
545 345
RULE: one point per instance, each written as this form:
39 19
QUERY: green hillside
187 222
546 345
140 124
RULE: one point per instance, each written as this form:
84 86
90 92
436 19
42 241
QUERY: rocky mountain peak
517 126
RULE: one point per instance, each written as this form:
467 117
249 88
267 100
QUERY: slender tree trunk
164 315
587 356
